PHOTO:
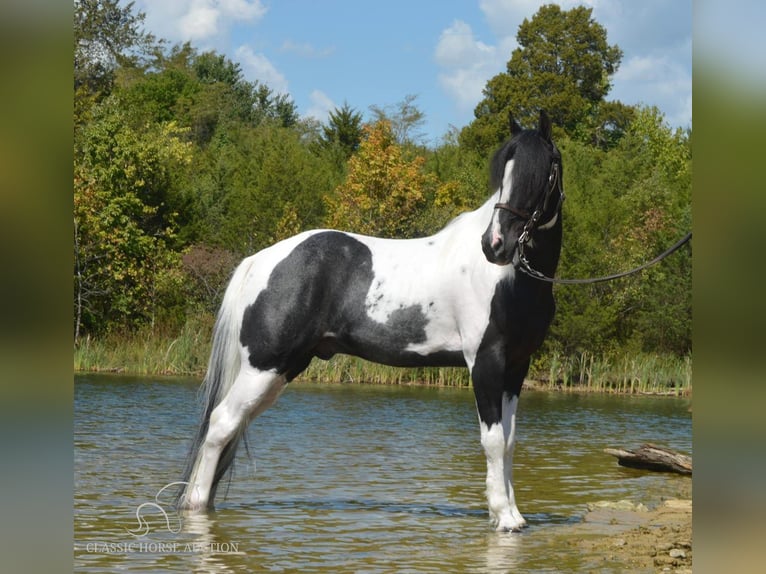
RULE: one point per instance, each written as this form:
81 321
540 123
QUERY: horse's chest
522 319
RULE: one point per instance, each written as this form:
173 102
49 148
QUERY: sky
324 53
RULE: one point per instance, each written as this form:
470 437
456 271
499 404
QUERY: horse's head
527 175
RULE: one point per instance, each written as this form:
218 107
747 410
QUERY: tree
343 129
203 91
106 36
252 185
124 232
563 65
657 203
405 119
624 206
383 192
277 107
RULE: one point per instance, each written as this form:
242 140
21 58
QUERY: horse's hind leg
252 393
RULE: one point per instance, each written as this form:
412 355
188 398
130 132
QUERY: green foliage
182 167
204 92
343 130
124 232
249 186
624 207
106 36
383 192
562 65
463 183
405 119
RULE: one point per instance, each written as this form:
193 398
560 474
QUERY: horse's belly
397 347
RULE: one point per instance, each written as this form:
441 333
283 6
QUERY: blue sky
327 52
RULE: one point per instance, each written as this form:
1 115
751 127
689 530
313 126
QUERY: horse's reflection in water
210 550
502 552
451 299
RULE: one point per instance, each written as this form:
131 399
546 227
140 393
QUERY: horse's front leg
509 430
497 395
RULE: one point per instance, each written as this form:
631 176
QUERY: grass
629 373
152 352
347 369
148 352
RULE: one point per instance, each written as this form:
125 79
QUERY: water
353 478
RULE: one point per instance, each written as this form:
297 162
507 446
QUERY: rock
677 553
619 505
678 504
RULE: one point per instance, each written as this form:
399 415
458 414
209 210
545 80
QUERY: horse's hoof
514 527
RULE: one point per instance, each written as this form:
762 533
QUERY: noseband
533 218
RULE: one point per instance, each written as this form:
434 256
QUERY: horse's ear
545 125
515 127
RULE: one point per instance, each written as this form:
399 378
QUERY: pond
353 478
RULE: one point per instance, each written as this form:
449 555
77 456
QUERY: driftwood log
652 457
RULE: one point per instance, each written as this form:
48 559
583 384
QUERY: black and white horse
452 299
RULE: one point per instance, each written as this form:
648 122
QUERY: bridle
532 220
531 223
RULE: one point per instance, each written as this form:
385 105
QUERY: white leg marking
497 497
252 393
509 429
498 442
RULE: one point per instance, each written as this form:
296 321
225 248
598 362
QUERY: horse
455 298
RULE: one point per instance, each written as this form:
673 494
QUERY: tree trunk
78 274
651 457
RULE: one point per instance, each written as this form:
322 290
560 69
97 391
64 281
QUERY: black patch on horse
314 306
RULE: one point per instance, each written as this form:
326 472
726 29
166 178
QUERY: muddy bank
639 539
626 537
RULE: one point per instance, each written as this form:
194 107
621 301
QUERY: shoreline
637 539
528 385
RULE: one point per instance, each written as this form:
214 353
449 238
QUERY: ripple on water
352 479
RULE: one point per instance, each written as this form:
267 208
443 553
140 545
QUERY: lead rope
526 267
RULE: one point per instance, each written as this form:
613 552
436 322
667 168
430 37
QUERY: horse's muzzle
498 251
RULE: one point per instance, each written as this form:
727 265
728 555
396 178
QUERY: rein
526 268
531 225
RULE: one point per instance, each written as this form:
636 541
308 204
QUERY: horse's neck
469 222
543 254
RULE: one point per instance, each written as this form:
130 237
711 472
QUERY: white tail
222 371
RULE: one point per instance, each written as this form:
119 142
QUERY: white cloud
467 64
201 21
658 74
659 80
321 106
258 67
196 20
241 9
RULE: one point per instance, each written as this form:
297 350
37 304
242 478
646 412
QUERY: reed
643 373
148 351
347 369
185 352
